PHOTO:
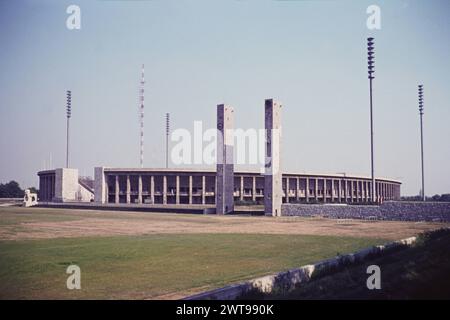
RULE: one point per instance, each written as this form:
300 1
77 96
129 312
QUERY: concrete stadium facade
63 185
191 186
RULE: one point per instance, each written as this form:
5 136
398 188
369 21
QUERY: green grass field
136 255
139 267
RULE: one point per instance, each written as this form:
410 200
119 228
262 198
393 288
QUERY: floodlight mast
371 71
68 115
420 87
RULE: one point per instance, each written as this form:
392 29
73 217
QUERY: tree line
445 197
12 189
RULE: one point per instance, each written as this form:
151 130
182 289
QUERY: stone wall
391 210
289 280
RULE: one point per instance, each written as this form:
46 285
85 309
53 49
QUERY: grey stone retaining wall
288 280
391 210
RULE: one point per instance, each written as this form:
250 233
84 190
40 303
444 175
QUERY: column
287 189
139 189
241 193
190 189
386 191
332 190
358 191
346 191
164 189
316 188
45 189
307 190
324 190
152 189
254 189
106 189
352 190
177 190
203 190
128 189
297 192
117 190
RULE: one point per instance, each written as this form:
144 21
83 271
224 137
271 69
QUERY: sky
309 55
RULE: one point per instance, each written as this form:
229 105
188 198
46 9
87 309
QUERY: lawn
156 265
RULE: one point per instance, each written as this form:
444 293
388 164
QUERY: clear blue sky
310 55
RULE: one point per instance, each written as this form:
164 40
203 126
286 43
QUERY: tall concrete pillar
203 190
273 191
225 167
139 189
128 189
164 189
177 190
190 190
99 185
297 189
117 190
152 189
254 189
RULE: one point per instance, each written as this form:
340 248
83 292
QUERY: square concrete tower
66 184
100 189
225 167
272 178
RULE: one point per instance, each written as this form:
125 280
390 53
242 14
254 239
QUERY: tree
33 190
11 190
436 197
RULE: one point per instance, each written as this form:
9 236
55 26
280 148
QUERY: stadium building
192 186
